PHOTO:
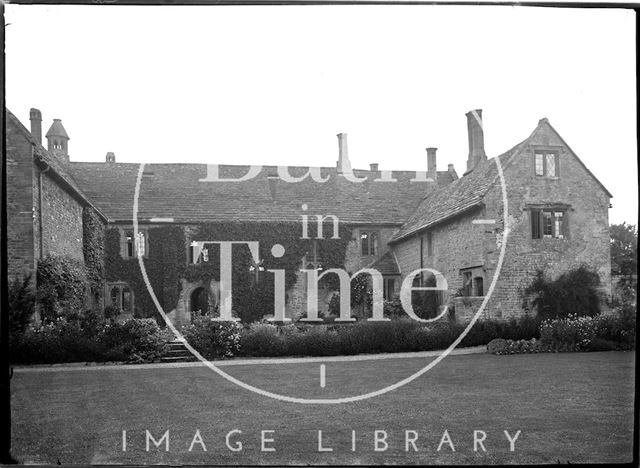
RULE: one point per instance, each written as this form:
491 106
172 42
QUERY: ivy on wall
93 250
167 263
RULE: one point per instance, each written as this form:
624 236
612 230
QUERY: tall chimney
343 156
476 139
432 171
35 116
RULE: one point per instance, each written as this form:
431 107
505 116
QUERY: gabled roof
462 195
43 158
175 191
546 121
386 265
467 192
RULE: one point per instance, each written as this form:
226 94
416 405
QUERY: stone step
177 358
177 352
178 345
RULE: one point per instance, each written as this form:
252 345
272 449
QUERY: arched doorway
200 300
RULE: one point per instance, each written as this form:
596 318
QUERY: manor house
556 219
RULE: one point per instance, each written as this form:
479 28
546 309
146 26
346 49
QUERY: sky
273 85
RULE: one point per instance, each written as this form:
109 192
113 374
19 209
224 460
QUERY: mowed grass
572 407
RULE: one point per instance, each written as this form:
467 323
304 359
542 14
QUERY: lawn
571 407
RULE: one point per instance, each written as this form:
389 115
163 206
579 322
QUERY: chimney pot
35 116
111 157
373 166
476 139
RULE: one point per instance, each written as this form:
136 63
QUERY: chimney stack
373 166
452 171
476 139
343 156
111 157
35 116
432 171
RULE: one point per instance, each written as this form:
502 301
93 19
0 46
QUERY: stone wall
19 191
61 220
297 297
459 244
587 241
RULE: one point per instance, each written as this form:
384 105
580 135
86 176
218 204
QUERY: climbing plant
93 250
253 291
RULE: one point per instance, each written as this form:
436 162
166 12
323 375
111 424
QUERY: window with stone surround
120 295
546 163
548 223
472 281
134 246
368 242
198 253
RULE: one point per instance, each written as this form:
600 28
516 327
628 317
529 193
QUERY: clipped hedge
365 337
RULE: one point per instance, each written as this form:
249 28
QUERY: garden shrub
400 335
62 286
21 304
500 346
600 333
574 293
212 338
393 308
318 340
261 339
57 342
497 345
135 340
90 339
111 312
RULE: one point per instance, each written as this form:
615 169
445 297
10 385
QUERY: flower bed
574 333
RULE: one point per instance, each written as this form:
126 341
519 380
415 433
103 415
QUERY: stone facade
21 243
464 244
460 245
44 210
20 214
587 223
61 216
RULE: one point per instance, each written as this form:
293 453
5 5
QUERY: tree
624 249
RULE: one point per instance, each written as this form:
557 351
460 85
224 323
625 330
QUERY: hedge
401 335
89 339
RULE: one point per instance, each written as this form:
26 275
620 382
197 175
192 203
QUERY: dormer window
546 163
